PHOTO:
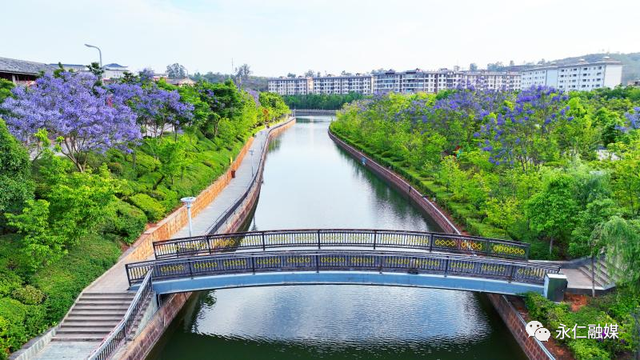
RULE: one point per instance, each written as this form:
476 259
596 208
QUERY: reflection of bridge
367 257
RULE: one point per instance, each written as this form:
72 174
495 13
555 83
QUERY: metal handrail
317 238
231 209
378 261
123 330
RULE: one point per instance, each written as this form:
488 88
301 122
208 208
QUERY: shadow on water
310 183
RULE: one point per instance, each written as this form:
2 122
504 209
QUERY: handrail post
253 264
446 267
264 244
207 238
511 273
318 239
431 242
317 263
375 236
190 269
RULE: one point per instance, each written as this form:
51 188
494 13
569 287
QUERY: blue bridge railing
327 260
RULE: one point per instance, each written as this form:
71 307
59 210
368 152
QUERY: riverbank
534 349
224 213
114 280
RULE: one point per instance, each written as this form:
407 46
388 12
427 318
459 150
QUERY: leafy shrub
9 281
125 221
116 168
151 207
13 332
587 350
28 295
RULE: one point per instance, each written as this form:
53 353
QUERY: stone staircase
601 273
94 316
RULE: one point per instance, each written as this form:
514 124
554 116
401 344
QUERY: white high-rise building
358 83
580 76
291 86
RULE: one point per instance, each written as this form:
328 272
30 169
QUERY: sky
278 37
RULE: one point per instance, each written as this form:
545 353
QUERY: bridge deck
474 269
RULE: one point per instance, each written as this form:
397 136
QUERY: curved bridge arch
231 270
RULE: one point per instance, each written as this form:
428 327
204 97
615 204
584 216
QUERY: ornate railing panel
326 260
319 238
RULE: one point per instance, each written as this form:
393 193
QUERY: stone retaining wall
533 348
140 347
401 185
143 247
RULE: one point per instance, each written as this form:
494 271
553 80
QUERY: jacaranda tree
81 116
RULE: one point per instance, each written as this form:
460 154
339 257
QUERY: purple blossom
69 106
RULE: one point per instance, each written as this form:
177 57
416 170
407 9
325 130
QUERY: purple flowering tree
522 133
158 110
81 116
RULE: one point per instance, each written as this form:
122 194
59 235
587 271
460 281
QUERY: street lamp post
251 152
188 201
99 52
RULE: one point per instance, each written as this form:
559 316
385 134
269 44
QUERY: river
310 183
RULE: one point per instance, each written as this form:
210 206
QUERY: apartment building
433 81
343 84
291 86
579 76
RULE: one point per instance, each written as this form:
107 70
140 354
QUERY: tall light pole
188 201
99 52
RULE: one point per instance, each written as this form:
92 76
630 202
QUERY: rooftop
16 66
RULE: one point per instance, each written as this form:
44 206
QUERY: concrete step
104 312
89 323
75 318
600 272
598 280
78 337
103 301
81 331
109 296
98 307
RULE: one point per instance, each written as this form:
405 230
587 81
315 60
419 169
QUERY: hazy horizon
286 36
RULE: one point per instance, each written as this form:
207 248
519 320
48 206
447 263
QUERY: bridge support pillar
554 286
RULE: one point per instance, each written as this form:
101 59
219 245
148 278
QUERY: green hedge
150 206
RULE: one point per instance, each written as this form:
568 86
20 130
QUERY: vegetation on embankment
68 210
321 101
559 171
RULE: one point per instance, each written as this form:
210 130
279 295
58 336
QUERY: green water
310 183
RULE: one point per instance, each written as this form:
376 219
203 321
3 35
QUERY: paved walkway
115 279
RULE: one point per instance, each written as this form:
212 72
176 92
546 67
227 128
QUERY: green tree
40 243
5 90
15 172
176 71
552 211
623 240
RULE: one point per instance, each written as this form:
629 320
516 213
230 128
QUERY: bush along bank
80 185
553 169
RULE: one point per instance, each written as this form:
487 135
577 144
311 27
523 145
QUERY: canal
310 183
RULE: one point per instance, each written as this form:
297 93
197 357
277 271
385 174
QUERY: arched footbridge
342 256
